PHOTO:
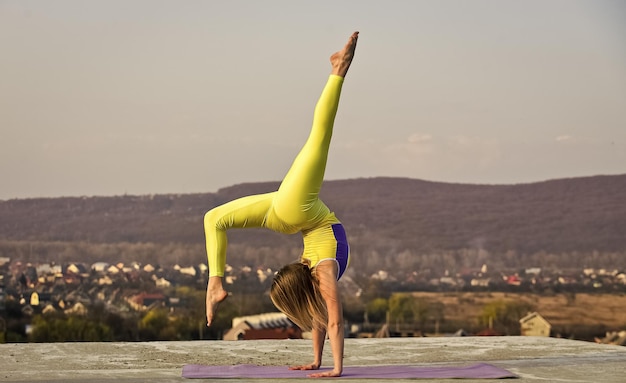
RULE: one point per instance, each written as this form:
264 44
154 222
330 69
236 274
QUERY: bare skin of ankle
341 60
215 294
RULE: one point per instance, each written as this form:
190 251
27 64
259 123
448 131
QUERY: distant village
72 288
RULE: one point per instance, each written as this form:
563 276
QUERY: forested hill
565 215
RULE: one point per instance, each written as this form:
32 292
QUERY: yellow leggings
295 206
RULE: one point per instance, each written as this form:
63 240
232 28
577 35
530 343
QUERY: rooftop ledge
533 359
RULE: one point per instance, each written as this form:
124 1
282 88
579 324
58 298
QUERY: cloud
424 155
416 145
473 152
563 138
417 138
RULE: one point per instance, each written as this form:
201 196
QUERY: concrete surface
532 359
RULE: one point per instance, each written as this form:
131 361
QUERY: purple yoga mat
248 371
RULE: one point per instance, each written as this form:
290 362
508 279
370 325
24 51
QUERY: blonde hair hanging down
295 291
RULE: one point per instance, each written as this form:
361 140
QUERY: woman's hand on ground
312 366
326 374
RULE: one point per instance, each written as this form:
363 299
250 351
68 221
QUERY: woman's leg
298 193
241 213
297 199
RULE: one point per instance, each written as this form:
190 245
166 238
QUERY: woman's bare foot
215 294
341 60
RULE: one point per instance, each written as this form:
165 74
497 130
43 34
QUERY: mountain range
382 215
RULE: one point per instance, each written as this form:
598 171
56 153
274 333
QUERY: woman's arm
326 273
319 336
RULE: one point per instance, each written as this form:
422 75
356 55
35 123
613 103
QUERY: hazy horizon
160 97
328 180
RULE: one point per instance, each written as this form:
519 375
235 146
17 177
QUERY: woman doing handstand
305 291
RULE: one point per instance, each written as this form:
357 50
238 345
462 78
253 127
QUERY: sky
103 98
